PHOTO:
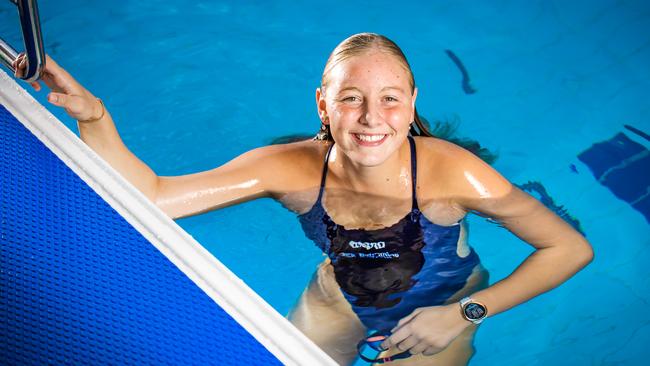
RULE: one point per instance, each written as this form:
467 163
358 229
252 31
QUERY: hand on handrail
66 92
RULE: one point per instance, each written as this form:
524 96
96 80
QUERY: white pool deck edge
263 322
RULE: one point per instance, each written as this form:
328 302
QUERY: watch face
474 311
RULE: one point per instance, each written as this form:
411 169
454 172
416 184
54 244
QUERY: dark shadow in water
638 132
623 166
540 193
467 87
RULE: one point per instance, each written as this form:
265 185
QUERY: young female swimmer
387 209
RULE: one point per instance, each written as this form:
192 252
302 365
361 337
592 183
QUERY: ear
321 106
415 96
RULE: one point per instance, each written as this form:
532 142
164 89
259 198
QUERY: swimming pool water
192 84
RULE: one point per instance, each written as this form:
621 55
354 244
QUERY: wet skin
367 96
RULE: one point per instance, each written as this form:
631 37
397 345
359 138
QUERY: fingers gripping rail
33 39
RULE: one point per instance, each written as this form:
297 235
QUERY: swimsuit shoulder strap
414 173
324 174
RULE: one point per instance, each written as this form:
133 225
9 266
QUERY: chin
370 159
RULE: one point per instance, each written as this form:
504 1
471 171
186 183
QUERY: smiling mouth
369 140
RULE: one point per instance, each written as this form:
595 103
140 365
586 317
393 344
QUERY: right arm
261 172
254 174
100 134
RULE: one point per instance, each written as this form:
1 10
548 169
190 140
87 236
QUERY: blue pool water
192 84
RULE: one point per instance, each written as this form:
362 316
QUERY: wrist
457 314
99 111
472 310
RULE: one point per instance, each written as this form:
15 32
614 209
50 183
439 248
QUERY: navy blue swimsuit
387 273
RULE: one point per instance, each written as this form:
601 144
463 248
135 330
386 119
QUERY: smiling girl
386 207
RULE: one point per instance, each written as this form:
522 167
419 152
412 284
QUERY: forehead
368 70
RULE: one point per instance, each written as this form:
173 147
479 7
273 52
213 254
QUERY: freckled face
369 106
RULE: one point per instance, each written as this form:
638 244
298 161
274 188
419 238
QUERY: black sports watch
472 310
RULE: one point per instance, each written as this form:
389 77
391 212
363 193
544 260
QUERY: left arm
560 253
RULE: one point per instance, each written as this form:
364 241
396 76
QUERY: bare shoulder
269 171
458 173
296 165
301 155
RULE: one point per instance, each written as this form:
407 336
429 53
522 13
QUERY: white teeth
369 138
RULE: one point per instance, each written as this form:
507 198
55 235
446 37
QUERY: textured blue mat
79 285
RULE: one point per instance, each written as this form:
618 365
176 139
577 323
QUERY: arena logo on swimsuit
367 245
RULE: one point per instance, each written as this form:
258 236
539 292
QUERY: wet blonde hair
361 43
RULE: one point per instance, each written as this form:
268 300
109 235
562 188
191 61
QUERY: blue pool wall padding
80 285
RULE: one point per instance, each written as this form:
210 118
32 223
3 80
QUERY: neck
373 178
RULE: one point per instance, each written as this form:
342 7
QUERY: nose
371 115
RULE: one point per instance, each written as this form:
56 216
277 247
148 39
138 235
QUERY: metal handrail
33 39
